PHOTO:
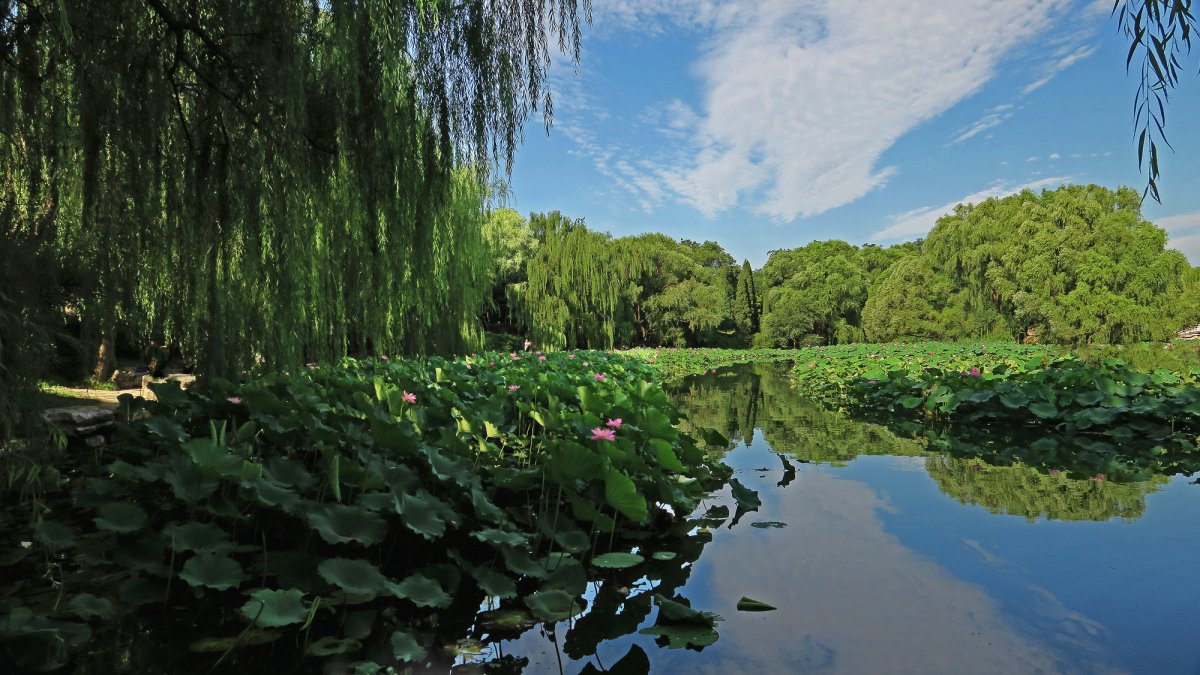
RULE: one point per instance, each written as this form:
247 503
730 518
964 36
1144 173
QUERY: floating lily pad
751 605
552 605
664 555
506 620
765 524
617 560
682 636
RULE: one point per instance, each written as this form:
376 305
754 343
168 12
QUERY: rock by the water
86 423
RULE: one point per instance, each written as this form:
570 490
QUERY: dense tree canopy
1072 265
268 181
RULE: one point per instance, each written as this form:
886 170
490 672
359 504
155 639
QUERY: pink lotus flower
514 356
383 357
514 387
491 363
974 372
468 366
599 434
599 377
570 356
613 424
1098 477
1054 473
236 400
409 398
542 358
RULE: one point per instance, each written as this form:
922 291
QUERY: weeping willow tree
268 181
574 297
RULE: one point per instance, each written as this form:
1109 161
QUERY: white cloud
803 97
1053 156
918 222
1183 233
1188 245
1179 222
1065 59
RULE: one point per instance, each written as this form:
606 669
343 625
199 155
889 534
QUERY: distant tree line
1072 265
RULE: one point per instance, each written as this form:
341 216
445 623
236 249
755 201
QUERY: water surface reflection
895 559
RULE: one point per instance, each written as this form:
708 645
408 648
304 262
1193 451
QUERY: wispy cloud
918 222
802 99
1066 58
994 118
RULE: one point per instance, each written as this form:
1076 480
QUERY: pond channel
883 557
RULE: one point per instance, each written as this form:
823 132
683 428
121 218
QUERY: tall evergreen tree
745 301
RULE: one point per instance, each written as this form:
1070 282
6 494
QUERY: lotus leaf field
367 515
348 509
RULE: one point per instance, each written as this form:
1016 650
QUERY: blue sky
767 124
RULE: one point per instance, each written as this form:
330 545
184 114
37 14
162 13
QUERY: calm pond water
882 557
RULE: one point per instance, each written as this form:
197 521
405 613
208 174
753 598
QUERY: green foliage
1020 490
407 485
1161 33
746 306
589 290
1074 265
1108 420
910 303
672 364
281 204
824 373
815 294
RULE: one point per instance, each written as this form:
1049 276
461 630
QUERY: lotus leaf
406 648
199 537
494 583
121 517
355 576
617 560
421 591
273 608
88 606
621 493
213 570
341 523
552 605
53 533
